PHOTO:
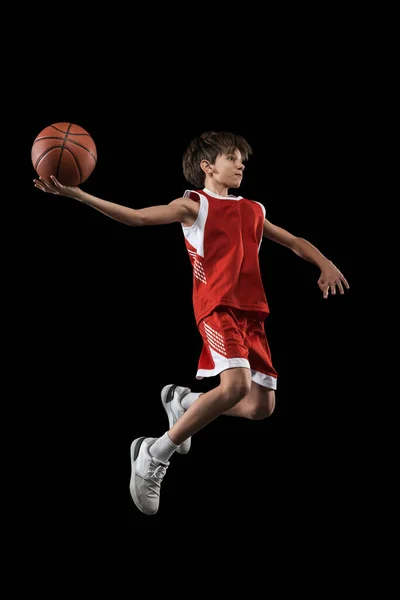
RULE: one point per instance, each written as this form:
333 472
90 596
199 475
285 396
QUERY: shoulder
194 195
255 202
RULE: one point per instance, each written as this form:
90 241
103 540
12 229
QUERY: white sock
189 399
163 448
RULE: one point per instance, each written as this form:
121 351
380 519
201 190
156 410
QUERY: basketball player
223 234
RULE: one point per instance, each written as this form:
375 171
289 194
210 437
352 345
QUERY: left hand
330 278
53 186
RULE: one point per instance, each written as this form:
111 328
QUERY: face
228 169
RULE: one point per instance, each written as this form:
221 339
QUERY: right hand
53 186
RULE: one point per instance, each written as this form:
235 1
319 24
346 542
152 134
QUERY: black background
109 320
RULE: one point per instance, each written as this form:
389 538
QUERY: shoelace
155 473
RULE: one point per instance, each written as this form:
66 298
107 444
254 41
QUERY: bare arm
181 210
330 275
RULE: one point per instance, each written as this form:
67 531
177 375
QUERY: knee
261 410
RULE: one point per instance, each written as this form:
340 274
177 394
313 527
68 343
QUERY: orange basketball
66 151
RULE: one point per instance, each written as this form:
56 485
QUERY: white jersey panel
195 233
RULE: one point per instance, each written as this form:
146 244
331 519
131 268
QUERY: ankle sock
163 448
189 399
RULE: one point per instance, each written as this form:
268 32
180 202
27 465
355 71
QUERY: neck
217 188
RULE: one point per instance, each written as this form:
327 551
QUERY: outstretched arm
330 276
181 210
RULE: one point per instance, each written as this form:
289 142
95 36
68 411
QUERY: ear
206 166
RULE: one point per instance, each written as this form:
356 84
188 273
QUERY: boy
223 234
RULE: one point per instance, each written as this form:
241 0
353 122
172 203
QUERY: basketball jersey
223 245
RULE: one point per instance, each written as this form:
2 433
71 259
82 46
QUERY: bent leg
235 384
258 404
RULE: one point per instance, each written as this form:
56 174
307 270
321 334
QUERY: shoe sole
135 447
167 394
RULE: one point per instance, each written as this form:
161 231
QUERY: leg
235 385
148 465
230 339
258 404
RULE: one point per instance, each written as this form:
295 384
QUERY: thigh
223 344
260 403
262 370
223 333
261 395
236 377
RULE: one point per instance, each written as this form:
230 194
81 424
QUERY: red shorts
235 338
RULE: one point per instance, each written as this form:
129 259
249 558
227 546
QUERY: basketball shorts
235 338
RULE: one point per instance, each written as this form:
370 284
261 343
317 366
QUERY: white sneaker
171 397
146 476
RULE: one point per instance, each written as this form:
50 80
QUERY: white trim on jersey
262 206
229 197
195 233
264 211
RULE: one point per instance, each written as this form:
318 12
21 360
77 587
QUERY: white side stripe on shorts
215 339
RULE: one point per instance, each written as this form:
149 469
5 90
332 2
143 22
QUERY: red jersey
223 245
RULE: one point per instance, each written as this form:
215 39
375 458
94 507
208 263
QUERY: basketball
66 151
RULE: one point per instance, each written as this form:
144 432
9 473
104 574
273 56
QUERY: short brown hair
208 146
